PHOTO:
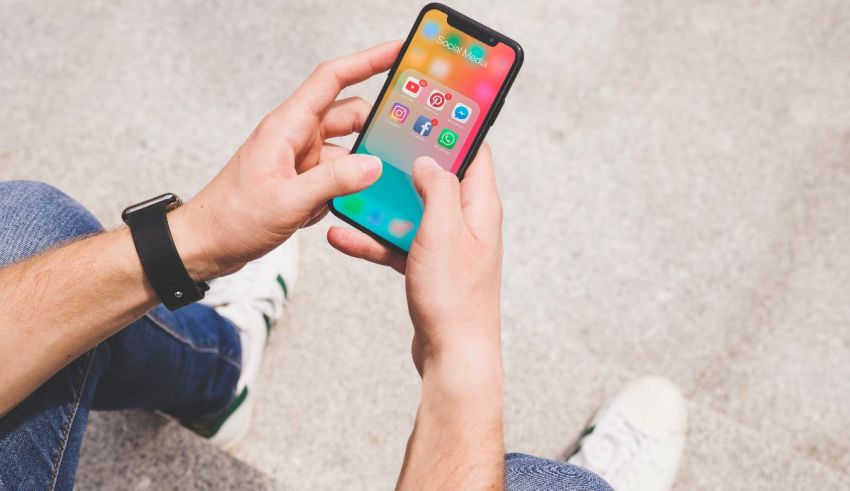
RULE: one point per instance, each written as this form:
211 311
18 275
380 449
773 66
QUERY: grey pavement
676 181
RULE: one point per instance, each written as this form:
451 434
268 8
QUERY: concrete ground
676 180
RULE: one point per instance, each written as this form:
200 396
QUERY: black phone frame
475 29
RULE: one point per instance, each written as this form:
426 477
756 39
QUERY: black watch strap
158 254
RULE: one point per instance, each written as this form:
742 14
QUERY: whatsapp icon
447 138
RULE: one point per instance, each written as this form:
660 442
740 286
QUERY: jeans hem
67 430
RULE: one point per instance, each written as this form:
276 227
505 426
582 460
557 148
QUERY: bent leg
40 438
527 473
186 362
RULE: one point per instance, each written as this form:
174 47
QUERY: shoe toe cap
654 404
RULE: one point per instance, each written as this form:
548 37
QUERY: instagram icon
399 112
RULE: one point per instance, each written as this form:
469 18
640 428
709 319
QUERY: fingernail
425 163
370 166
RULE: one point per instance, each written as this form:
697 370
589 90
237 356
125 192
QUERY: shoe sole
233 432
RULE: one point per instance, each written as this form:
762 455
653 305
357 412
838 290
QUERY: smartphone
441 96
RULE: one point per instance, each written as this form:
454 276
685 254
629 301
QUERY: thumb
440 191
336 177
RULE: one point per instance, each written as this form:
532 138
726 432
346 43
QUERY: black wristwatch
155 246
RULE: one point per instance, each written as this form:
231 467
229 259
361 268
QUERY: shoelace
616 447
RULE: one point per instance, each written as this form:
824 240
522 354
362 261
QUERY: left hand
282 176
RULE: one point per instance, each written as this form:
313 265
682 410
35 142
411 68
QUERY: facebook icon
423 126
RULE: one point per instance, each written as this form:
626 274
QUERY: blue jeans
184 363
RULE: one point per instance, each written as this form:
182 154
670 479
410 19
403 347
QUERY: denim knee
34 216
528 473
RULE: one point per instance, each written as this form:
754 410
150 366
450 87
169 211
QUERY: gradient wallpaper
435 105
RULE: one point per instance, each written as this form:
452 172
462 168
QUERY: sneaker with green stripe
253 299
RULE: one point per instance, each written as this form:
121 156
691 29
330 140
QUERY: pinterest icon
438 99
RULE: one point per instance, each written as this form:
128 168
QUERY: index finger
329 78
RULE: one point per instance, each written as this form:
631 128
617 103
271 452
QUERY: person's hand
453 269
453 275
281 177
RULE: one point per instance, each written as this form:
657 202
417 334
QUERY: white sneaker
253 299
636 441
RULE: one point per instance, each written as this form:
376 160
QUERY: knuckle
268 125
437 181
362 109
446 179
498 211
321 67
362 105
324 68
335 175
326 72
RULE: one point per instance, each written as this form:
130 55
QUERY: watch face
177 203
167 201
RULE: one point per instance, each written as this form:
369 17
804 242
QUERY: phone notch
474 29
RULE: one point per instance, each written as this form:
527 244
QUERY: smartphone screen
439 99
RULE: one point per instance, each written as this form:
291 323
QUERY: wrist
471 345
458 438
465 372
191 246
464 397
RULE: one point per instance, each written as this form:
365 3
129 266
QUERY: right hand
453 269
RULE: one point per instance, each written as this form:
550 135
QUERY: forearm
60 304
457 441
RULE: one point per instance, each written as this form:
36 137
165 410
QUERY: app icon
351 204
461 113
475 54
375 218
416 55
430 29
439 68
399 228
438 99
412 87
399 112
423 125
448 138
